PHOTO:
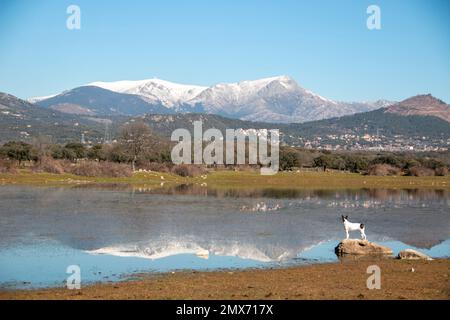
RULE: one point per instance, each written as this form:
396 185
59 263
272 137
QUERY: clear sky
324 45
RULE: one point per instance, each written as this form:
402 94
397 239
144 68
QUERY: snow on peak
271 99
37 99
256 85
156 90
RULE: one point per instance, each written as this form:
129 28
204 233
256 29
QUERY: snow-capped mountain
154 90
276 99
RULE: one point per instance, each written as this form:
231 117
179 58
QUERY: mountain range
95 110
382 127
420 122
276 100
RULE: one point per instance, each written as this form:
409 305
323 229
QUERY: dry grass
184 170
8 166
102 169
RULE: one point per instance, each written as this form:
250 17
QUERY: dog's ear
346 217
343 219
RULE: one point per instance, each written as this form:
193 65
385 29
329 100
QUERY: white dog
349 226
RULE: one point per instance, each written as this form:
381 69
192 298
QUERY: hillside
421 105
385 128
415 122
91 100
21 120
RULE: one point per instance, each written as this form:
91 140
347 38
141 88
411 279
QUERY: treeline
372 163
138 148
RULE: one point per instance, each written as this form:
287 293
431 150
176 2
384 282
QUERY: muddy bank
344 280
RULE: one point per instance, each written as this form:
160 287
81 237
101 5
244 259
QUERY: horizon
327 51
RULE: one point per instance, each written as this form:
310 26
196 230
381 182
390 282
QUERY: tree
330 160
19 151
288 159
390 159
325 161
42 146
77 149
356 163
57 151
96 152
136 138
117 153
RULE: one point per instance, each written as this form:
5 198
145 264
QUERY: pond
113 232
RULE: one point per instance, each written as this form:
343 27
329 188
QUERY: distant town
370 142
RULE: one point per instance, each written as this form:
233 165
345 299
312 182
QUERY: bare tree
41 143
136 136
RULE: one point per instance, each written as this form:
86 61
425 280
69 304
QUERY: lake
115 232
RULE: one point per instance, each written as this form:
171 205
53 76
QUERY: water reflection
250 227
278 193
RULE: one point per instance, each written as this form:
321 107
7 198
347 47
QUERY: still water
114 232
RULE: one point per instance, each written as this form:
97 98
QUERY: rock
360 247
410 254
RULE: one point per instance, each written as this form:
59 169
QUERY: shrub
110 169
441 171
101 169
185 170
383 170
50 165
7 166
419 171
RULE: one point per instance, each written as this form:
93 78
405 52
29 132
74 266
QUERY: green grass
238 180
321 180
26 177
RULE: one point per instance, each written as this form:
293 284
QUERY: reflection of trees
349 194
280 193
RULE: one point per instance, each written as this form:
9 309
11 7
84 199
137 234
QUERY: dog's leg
363 235
346 232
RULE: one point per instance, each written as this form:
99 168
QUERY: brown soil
344 280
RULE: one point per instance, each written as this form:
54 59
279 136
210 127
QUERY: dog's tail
361 226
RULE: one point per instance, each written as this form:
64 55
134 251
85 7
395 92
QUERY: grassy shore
321 180
237 180
345 280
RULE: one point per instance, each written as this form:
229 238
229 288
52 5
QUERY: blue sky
324 45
